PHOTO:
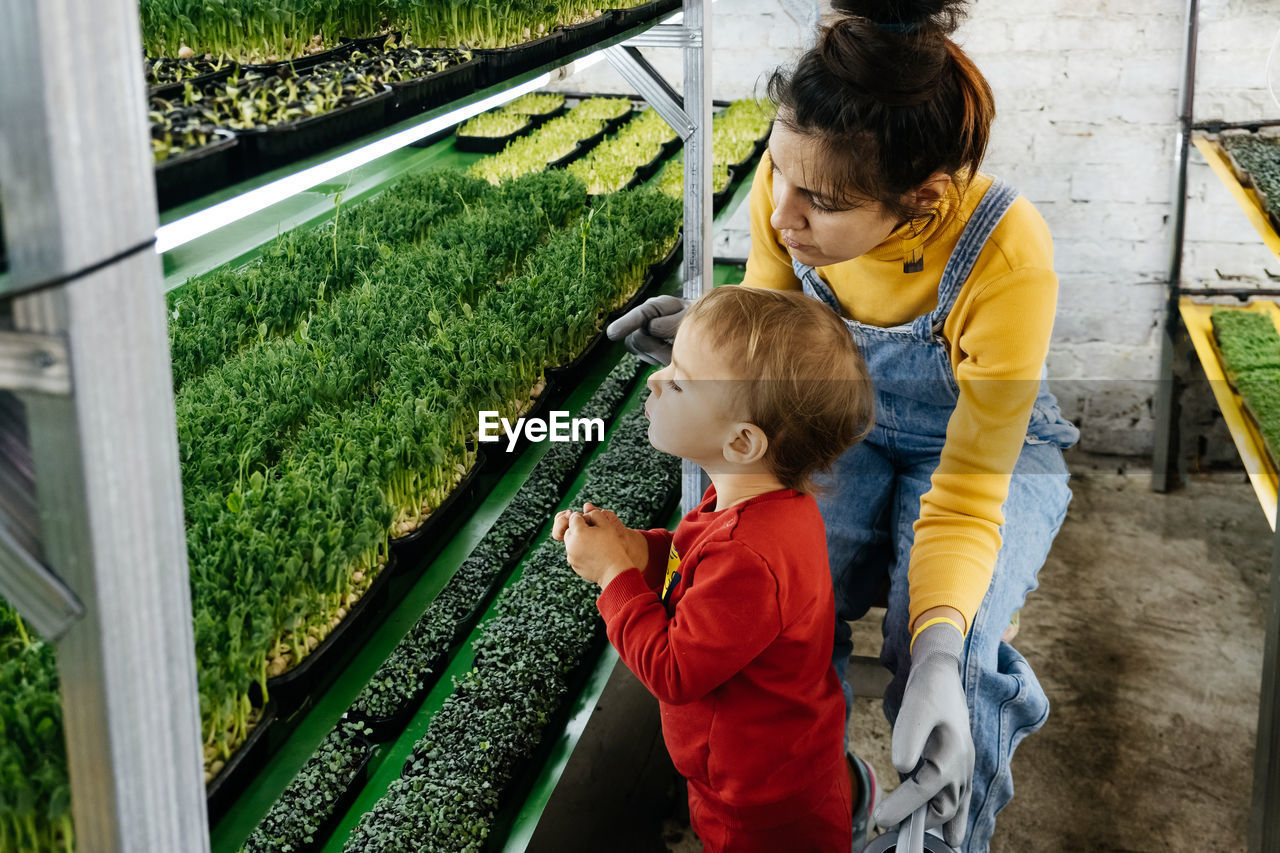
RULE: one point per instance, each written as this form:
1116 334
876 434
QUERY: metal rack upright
1264 822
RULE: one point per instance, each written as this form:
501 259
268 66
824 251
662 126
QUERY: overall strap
812 284
986 216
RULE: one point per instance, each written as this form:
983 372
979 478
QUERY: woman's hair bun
906 14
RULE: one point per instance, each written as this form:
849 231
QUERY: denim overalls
871 500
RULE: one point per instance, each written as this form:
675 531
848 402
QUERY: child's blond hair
807 386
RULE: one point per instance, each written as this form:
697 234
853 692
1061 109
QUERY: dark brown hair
803 380
890 99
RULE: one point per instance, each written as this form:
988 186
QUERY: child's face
694 407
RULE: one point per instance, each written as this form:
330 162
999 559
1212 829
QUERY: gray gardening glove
931 738
650 327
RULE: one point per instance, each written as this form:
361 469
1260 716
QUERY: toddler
728 621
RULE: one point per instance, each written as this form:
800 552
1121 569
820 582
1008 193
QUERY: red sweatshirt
739 651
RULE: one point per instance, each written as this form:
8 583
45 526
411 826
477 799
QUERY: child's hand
637 546
596 544
561 524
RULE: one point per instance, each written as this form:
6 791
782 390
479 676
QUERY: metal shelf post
692 120
1264 815
103 436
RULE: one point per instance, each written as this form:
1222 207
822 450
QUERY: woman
870 200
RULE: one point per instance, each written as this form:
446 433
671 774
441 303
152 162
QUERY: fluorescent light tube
224 213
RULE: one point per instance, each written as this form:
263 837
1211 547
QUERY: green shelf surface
316 722
241 242
385 766
393 756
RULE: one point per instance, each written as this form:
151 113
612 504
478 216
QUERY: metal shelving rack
1264 820
84 351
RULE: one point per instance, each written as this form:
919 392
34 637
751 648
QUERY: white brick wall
1086 95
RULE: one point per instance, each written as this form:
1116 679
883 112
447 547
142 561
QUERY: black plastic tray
585 34
612 124
580 149
243 765
344 802
497 458
568 158
539 119
291 689
368 43
410 550
197 172
720 199
489 144
168 90
265 149
656 276
745 167
648 170
302 63
526 770
502 63
384 729
569 375
625 19
425 93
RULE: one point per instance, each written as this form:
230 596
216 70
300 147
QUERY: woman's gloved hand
650 328
931 738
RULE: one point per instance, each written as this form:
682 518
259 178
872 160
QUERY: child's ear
747 445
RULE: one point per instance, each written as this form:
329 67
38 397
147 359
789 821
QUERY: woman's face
814 232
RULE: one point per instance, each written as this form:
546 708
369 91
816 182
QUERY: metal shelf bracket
34 362
628 62
39 595
666 35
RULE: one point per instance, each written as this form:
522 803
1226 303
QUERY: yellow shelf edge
1249 443
1245 197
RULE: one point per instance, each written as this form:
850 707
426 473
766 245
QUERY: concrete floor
1146 634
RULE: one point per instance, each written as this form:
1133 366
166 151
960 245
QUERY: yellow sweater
998 330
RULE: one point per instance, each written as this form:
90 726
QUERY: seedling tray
169 90
575 37
569 375
354 786
290 690
265 149
384 729
498 459
425 93
197 172
302 63
657 276
243 765
579 150
648 170
744 168
526 771
502 63
612 124
372 43
1245 178
412 550
720 199
489 144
